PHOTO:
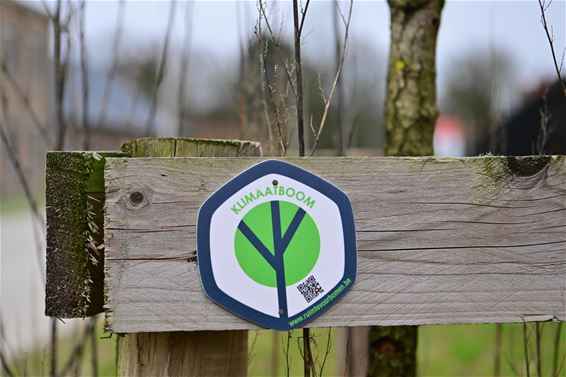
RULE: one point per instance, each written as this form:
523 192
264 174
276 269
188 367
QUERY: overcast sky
467 28
513 26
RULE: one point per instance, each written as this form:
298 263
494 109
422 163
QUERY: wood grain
468 240
202 353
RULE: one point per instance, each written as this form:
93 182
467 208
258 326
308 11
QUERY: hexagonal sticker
276 245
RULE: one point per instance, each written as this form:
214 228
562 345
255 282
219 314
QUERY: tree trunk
410 107
410 112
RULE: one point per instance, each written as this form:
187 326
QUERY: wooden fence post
200 353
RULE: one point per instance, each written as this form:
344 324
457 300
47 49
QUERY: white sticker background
232 280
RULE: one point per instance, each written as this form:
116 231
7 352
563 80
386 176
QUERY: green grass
450 350
37 362
468 350
18 203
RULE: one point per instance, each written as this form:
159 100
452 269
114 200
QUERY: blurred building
117 109
24 79
449 137
538 126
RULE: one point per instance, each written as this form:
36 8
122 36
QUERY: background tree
476 88
410 113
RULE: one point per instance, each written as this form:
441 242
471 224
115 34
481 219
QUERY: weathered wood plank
468 240
219 353
74 201
74 206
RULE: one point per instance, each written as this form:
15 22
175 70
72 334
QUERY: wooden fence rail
468 240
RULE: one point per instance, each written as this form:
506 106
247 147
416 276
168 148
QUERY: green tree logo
277 244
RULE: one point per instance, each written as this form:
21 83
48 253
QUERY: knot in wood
136 199
528 165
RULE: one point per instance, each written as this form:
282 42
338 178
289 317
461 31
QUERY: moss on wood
189 147
74 201
496 172
527 165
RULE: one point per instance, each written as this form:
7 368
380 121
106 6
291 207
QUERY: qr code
310 289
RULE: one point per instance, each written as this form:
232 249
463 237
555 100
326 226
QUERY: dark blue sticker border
221 195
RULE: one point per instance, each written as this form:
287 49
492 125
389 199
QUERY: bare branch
543 8
265 106
77 352
94 348
303 16
60 64
38 226
161 70
5 367
46 9
275 351
538 336
277 44
353 130
526 349
60 76
286 351
556 350
53 346
252 346
84 75
327 350
497 350
348 365
298 72
342 16
336 78
25 101
545 127
242 93
184 67
339 90
114 65
133 107
269 90
12 155
307 352
5 353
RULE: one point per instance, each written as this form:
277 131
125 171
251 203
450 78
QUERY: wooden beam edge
189 147
324 322
74 255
